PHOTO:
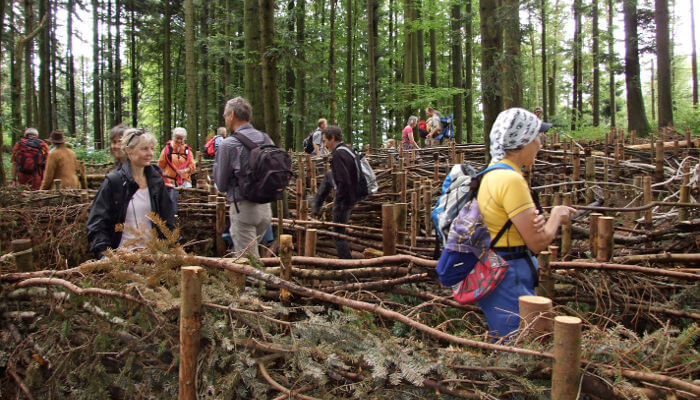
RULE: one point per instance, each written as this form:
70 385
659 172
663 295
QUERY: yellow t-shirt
504 194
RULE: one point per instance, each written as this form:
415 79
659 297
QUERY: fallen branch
624 267
75 289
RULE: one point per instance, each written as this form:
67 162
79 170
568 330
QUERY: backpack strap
246 142
500 233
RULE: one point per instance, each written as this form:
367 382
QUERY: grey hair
412 120
134 137
221 131
179 131
240 107
31 131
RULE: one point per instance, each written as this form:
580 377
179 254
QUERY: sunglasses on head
138 133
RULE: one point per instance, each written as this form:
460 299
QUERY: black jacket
344 170
110 204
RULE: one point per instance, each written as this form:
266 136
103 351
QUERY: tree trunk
409 57
636 116
53 49
301 75
372 6
44 112
29 91
694 63
118 110
331 67
456 29
611 62
109 93
83 95
289 138
543 20
491 41
70 78
653 95
167 80
204 81
512 65
269 71
135 72
190 75
596 69
2 134
663 64
420 45
575 51
96 115
17 46
348 73
468 87
433 59
253 73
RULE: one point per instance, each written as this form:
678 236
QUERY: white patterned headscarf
513 129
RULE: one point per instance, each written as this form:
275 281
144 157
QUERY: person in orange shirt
177 161
62 164
29 159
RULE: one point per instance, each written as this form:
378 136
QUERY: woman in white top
126 197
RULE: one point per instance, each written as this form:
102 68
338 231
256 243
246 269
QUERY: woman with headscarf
505 198
177 161
126 196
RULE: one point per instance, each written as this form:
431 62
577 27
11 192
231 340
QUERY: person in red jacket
29 156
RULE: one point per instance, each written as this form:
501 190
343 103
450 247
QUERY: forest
84 66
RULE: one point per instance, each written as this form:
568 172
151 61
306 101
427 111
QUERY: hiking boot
314 207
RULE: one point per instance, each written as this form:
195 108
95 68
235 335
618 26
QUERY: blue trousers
501 306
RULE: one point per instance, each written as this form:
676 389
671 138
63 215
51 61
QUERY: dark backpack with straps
268 172
30 156
308 142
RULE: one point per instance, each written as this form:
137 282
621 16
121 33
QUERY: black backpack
268 172
309 142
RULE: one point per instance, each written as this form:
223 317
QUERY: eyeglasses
138 133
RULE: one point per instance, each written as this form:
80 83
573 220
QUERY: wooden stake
604 250
566 370
659 171
566 229
647 199
402 186
436 167
310 243
593 233
190 325
554 251
637 182
24 262
388 230
57 184
302 174
83 175
400 216
546 286
220 225
548 180
590 177
685 193
280 219
286 251
535 314
427 199
414 218
303 215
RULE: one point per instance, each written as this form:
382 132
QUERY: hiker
115 144
319 148
538 112
516 137
212 145
343 178
432 122
249 220
390 145
61 163
126 196
29 159
407 141
177 161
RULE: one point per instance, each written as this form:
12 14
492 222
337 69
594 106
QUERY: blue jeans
501 306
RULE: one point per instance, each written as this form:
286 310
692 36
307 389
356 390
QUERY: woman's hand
183 171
